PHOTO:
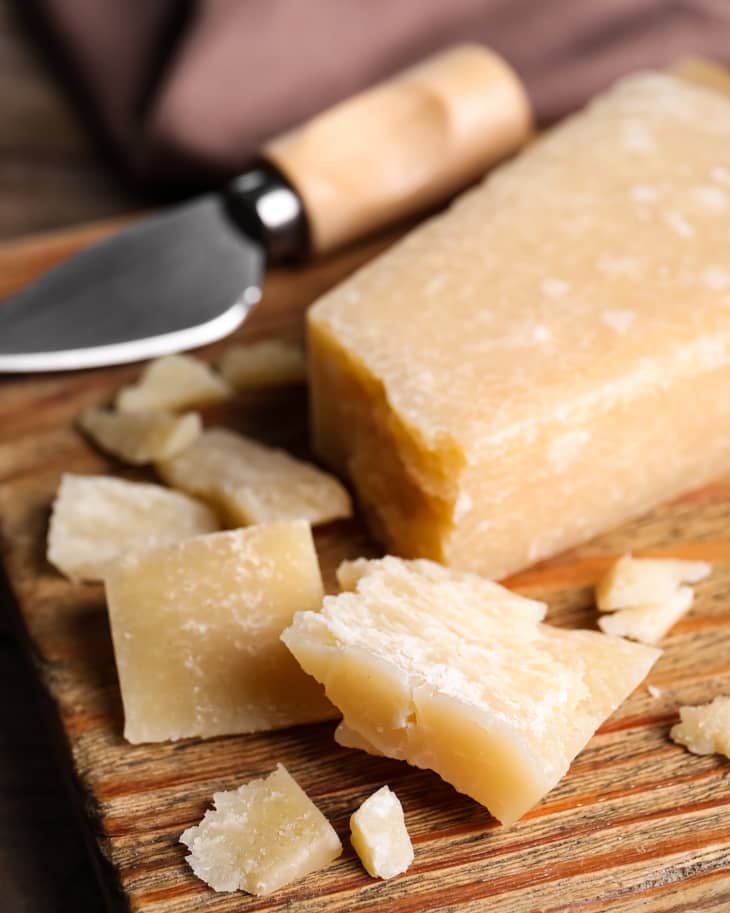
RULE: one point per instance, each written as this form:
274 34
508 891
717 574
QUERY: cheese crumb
141 437
379 836
263 364
97 519
646 596
704 729
260 837
171 383
249 482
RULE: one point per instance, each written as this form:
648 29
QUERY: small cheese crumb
260 837
171 383
98 519
263 364
141 437
655 692
704 729
249 482
379 835
647 596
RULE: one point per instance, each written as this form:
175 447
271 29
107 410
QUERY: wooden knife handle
404 145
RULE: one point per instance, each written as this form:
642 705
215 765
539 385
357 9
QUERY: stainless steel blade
169 282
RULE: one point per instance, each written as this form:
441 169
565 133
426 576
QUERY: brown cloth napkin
189 90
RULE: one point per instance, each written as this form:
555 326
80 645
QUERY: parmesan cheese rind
97 519
171 383
248 482
196 632
379 836
454 678
705 729
141 437
260 837
263 364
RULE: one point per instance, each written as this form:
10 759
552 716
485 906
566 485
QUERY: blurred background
111 106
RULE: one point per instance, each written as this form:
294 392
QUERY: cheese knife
189 275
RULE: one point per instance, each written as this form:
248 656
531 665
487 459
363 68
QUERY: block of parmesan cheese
550 356
173 382
97 519
379 837
196 634
260 837
704 729
646 596
248 482
263 364
449 672
141 437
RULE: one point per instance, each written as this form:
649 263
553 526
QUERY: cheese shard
248 482
97 519
379 836
647 595
260 837
498 385
263 364
173 382
704 729
141 437
196 634
462 681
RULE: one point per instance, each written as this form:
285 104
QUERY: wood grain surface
638 824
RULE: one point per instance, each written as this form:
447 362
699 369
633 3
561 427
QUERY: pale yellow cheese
173 382
460 678
705 729
141 437
249 482
196 634
97 519
263 364
379 836
260 837
552 354
647 595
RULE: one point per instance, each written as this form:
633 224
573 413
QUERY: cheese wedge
379 837
550 356
141 437
451 673
173 382
248 482
704 729
263 364
196 634
97 519
260 837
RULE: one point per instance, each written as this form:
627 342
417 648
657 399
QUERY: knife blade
189 275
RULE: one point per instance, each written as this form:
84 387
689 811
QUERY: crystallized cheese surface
249 482
173 382
379 836
97 519
705 729
552 354
456 678
141 437
260 837
263 364
196 634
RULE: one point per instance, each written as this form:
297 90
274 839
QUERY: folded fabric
189 90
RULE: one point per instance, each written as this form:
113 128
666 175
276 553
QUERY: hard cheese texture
261 837
550 356
262 364
249 482
97 519
454 673
173 382
141 437
705 729
379 836
646 596
196 634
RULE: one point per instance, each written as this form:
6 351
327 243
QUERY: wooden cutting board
638 824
